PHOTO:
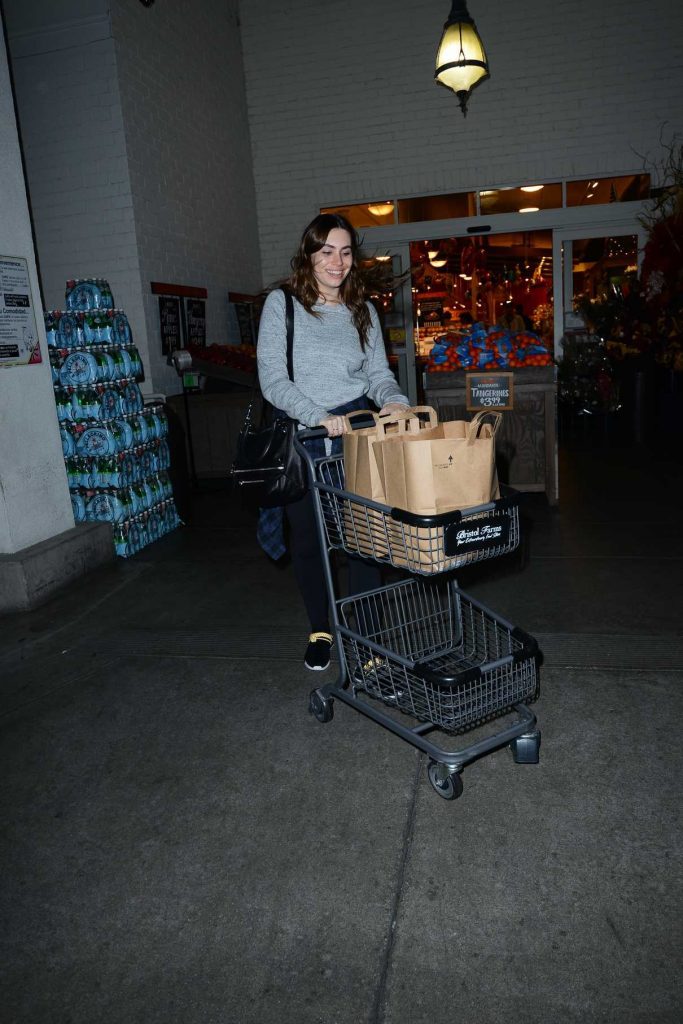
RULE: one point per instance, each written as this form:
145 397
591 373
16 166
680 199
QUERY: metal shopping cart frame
421 650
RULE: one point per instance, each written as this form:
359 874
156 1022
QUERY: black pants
304 544
307 562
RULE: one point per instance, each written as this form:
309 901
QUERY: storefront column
40 548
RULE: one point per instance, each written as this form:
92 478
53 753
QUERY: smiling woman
339 365
331 264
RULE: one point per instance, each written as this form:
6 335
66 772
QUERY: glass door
388 271
590 265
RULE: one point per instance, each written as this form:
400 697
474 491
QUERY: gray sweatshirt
330 368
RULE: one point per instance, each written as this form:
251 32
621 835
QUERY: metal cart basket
435 653
420 655
418 544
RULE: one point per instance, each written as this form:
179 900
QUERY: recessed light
529 209
531 188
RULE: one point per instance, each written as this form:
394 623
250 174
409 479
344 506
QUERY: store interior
457 281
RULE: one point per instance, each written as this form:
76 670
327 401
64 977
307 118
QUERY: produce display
482 348
115 446
234 357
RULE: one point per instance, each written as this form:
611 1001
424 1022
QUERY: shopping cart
419 655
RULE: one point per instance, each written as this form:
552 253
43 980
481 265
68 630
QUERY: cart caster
447 785
320 707
525 748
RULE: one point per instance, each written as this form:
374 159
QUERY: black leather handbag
267 470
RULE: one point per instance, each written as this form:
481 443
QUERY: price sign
195 310
170 321
489 391
430 312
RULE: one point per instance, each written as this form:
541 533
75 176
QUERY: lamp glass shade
461 60
381 209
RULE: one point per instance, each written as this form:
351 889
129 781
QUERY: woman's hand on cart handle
309 433
394 409
334 425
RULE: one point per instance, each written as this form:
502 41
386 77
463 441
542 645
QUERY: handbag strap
289 320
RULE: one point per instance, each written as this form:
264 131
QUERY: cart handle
310 433
363 417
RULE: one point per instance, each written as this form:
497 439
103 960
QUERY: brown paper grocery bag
365 529
451 466
361 473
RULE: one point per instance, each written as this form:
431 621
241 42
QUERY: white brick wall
34 496
189 157
137 152
343 106
74 149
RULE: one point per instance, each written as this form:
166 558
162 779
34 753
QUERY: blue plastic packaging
78 368
97 440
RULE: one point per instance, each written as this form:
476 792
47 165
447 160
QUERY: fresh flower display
641 317
487 349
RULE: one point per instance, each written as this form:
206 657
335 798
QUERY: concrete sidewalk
184 843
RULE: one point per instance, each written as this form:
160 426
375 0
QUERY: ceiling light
529 209
531 188
595 184
489 192
438 263
382 259
381 209
461 61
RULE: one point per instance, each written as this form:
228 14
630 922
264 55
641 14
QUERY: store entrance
500 280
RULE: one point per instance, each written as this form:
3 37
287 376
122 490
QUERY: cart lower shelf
433 652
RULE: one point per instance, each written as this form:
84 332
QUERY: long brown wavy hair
302 281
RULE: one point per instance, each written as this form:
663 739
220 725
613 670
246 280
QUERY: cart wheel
320 707
448 787
525 748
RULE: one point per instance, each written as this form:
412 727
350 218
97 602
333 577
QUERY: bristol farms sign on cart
19 343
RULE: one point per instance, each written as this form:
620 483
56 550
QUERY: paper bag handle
365 413
478 420
410 419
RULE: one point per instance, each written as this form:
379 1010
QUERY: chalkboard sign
170 320
195 311
245 312
489 391
430 312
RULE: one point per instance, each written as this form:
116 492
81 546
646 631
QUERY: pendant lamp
461 61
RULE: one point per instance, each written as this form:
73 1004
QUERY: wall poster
195 318
171 323
19 341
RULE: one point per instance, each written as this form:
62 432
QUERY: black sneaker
318 651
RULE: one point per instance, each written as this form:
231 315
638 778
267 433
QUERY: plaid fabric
270 532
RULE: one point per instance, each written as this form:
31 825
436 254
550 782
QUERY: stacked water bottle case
115 447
